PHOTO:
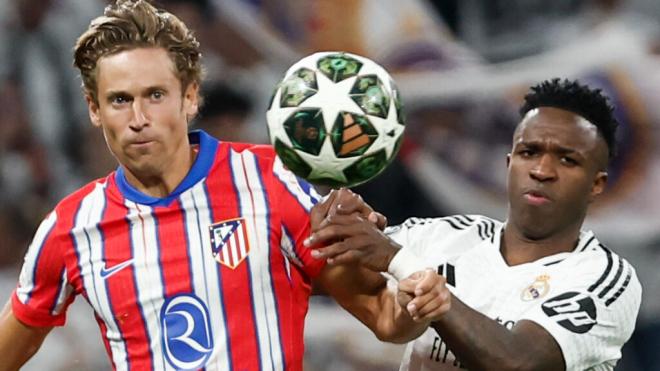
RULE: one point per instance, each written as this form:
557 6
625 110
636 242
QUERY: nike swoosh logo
107 272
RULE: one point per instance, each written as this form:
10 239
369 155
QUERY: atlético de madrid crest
229 242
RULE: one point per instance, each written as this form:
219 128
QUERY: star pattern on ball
387 129
326 164
332 99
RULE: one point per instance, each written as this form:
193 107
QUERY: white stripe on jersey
26 278
89 246
65 292
205 270
290 182
148 277
254 208
287 245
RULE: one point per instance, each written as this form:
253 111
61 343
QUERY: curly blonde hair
130 24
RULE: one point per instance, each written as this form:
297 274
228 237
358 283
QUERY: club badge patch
229 242
538 289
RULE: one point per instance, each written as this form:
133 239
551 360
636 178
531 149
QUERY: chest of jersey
191 279
481 280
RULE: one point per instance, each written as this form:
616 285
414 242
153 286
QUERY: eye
157 95
526 152
569 161
119 100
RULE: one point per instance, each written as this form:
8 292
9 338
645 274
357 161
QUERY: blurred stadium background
462 67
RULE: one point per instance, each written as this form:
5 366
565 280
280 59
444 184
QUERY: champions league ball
335 119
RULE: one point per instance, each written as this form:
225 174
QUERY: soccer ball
336 119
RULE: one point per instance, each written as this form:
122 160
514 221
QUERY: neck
517 248
162 184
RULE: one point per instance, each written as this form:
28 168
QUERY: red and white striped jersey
586 299
214 276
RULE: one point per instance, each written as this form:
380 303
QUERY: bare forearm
18 342
480 342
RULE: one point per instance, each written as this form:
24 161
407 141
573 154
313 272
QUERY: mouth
140 142
536 197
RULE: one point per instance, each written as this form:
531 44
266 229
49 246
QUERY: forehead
135 69
554 126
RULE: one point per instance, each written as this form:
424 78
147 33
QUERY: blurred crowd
462 67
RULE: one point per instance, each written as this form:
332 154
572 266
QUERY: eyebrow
555 148
118 93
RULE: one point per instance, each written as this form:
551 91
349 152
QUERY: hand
346 202
424 295
352 239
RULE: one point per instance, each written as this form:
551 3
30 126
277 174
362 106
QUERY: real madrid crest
538 289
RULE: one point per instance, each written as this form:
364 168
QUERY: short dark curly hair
577 98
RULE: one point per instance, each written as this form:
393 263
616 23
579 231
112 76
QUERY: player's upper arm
295 199
44 293
593 314
18 342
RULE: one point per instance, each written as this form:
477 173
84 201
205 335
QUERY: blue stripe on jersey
308 189
303 186
249 269
60 285
137 294
270 267
200 168
36 262
219 271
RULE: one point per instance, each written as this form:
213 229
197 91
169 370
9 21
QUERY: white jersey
587 299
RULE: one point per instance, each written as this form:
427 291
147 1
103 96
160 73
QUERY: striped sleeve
592 311
43 293
296 199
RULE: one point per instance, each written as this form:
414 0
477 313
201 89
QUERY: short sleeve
592 314
296 198
43 294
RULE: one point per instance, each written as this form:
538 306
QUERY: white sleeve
591 313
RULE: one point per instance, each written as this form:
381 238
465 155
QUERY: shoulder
608 275
264 151
477 226
68 206
450 235
247 154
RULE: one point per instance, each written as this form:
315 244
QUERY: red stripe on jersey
291 294
120 286
236 298
173 250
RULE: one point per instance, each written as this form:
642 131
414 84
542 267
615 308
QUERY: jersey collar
586 241
200 168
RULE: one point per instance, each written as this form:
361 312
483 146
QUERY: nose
140 118
544 169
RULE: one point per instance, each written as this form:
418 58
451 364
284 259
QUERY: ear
508 160
191 100
600 181
93 109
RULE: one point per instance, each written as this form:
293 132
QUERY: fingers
409 284
321 209
334 227
349 202
378 219
429 308
432 298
